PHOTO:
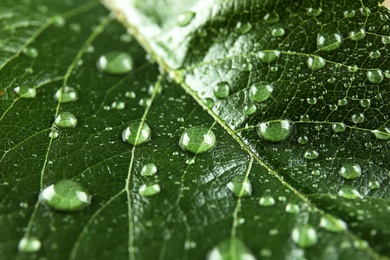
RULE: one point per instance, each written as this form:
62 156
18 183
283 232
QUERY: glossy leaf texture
286 105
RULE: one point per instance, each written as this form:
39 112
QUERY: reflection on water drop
149 169
197 139
278 32
311 154
29 245
115 62
292 208
260 91
25 91
339 127
349 192
65 120
136 133
267 201
240 186
375 76
304 235
329 41
66 95
275 131
358 118
350 171
147 190
383 133
357 35
316 62
268 56
221 90
332 224
271 18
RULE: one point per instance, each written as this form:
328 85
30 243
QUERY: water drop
386 39
115 62
304 235
292 208
267 201
311 101
65 195
185 18
375 76
358 118
349 13
303 139
250 110
65 120
338 127
353 69
387 73
66 95
311 154
145 102
25 91
349 192
356 36
271 18
147 190
260 91
29 245
275 131
364 11
118 105
278 32
197 139
383 133
130 94
221 90
375 54
149 169
30 52
329 41
230 249
316 62
314 12
240 186
365 103
54 134
208 102
374 185
244 28
332 224
350 171
190 161
136 133
268 56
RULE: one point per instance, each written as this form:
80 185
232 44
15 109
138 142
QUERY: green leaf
295 93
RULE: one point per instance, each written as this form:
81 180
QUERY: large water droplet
349 13
115 62
304 235
365 103
147 190
311 154
375 76
149 169
136 133
339 127
349 192
260 91
25 91
240 186
350 171
316 62
66 94
357 35
221 90
65 120
278 32
197 139
271 18
332 224
292 208
185 18
327 41
29 245
229 250
65 195
383 133
358 118
275 131
267 201
268 56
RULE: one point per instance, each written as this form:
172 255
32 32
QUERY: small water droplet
66 95
375 76
303 139
29 245
185 18
25 91
275 131
278 32
30 52
271 18
145 102
244 28
349 13
292 208
65 195
329 41
268 56
190 161
365 103
221 90
386 39
304 235
65 120
118 105
147 190
353 69
349 192
311 101
311 154
53 134
316 62
357 35
314 12
260 91
342 102
358 118
383 133
267 201
136 133
240 186
130 94
208 102
230 249
350 171
250 110
115 62
364 11
332 224
375 54
149 169
197 139
374 185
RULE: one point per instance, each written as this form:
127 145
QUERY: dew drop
356 36
115 62
375 54
338 127
240 186
221 90
260 91
250 110
383 133
353 68
314 12
303 139
30 52
65 195
267 201
342 102
208 102
364 11
149 169
268 56
292 208
358 118
118 105
145 102
271 18
387 73
185 18
349 13
316 62
147 190
190 161
29 245
332 224
365 103
311 154
329 41
374 185
275 131
375 76
311 101
350 171
53 134
25 91
278 32
65 120
130 94
66 95
304 235
136 133
230 249
244 28
386 39
197 139
349 192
